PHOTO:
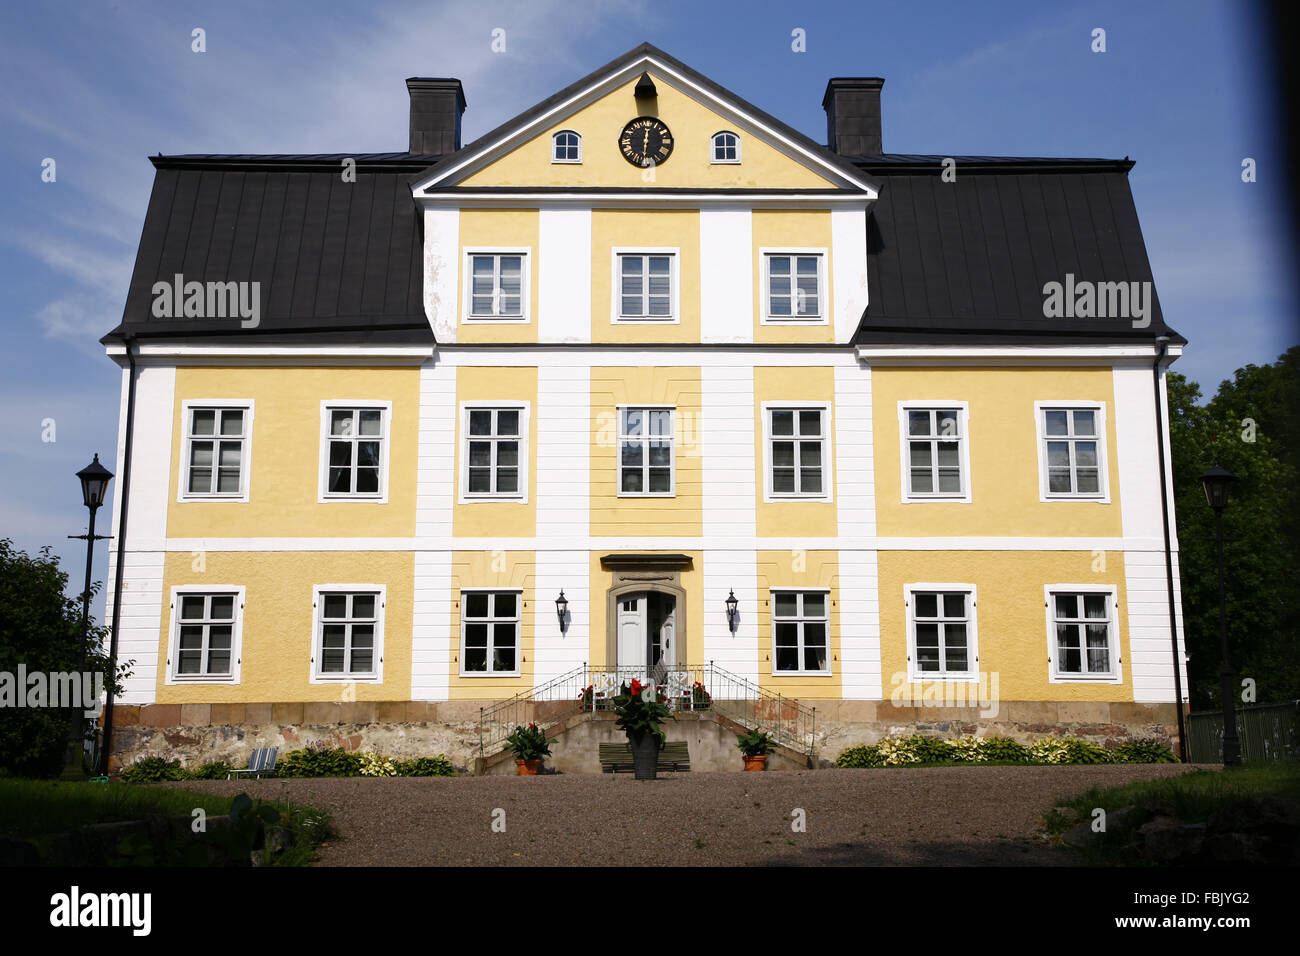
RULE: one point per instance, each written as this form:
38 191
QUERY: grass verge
36 809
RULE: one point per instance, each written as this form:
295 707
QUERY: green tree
1250 426
40 627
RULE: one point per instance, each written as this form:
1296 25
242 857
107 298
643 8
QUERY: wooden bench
617 758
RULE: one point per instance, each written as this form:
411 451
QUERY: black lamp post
94 480
561 606
732 609
1216 483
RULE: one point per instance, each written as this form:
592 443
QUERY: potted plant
700 698
755 746
529 746
639 718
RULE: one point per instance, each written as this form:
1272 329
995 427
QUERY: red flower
532 726
635 689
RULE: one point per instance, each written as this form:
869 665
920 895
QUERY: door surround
637 573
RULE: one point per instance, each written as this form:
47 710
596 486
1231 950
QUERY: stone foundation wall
203 733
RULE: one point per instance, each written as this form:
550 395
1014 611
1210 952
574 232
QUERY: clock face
645 141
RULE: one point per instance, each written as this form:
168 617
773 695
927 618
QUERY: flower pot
756 762
645 757
529 768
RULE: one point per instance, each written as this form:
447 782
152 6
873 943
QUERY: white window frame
173 676
245 455
972 674
317 633
521 496
616 285
801 620
823 298
713 148
645 467
519 632
386 427
828 456
525 285
555 145
964 441
1055 675
1040 426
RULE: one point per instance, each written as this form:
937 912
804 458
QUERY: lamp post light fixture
561 607
732 610
94 480
1216 483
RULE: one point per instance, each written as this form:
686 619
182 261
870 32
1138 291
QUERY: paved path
965 816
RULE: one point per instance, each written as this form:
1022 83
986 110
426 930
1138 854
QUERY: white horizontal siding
859 609
723 572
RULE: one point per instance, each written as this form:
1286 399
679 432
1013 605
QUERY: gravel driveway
963 816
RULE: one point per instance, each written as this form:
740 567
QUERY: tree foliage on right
1251 426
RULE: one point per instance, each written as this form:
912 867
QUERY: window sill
481 674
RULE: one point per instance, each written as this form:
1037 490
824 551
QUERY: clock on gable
646 141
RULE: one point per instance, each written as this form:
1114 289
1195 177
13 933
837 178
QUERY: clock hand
645 143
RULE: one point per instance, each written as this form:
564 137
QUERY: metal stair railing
497 722
782 718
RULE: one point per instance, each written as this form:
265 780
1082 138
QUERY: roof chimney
852 106
436 107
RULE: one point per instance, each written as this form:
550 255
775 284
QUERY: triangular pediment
685 105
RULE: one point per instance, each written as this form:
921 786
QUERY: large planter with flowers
530 747
639 717
755 746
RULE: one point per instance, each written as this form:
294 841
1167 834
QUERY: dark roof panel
955 261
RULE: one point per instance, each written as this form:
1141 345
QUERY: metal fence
689 688
1266 732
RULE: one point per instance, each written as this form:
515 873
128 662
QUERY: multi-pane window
566 147
796 445
942 633
496 286
348 632
205 635
934 452
800 632
726 147
645 286
493 441
215 451
489 632
1082 639
355 451
645 442
794 286
1071 439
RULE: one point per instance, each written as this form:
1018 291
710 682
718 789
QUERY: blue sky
1182 89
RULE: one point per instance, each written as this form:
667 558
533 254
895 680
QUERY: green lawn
34 809
1189 798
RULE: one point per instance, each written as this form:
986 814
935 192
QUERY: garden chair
262 761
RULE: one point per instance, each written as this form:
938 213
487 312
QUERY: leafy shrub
929 749
756 743
1067 750
152 770
319 762
966 750
425 767
1147 750
897 752
1003 750
373 765
863 755
210 771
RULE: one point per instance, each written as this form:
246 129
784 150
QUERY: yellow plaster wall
780 229
798 569
278 629
793 385
496 518
1010 618
691 123
488 569
1003 452
632 230
612 516
286 453
496 229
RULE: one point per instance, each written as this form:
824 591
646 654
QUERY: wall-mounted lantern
732 610
561 607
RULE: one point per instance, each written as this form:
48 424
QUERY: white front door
632 643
